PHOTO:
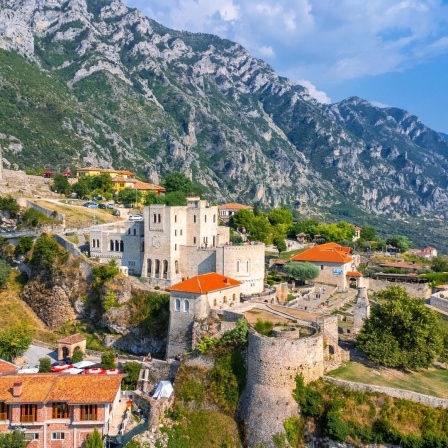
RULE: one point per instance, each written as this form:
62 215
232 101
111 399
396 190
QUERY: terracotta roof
46 387
234 205
7 367
145 186
85 388
401 265
353 274
430 248
73 339
35 387
123 179
358 228
127 173
330 253
202 284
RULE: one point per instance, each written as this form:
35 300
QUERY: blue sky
389 52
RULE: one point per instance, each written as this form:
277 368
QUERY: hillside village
287 308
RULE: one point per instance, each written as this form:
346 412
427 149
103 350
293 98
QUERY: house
429 252
91 171
56 410
48 174
68 345
334 263
194 298
227 210
7 367
120 183
357 234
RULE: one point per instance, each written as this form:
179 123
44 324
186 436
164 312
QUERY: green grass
432 381
285 255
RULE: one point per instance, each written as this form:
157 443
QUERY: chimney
17 390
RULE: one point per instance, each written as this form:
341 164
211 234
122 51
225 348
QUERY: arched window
129 231
121 246
159 218
215 303
165 269
154 218
111 246
205 218
157 269
186 306
176 266
117 246
149 267
177 304
194 218
224 299
234 297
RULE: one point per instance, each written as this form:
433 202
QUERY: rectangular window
181 231
194 240
321 267
30 436
59 410
175 218
28 413
89 412
194 218
159 218
57 435
175 233
205 218
4 411
175 247
154 218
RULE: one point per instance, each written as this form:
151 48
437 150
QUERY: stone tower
361 310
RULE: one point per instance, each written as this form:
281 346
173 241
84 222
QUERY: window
224 300
194 218
93 243
30 436
57 436
89 412
181 231
117 246
28 413
177 304
186 306
121 246
154 218
59 410
234 297
135 231
237 266
97 243
129 231
175 233
176 267
111 248
4 411
175 218
175 247
194 240
205 218
159 218
321 267
214 218
215 302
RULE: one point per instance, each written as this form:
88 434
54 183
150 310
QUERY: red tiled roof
139 185
127 173
430 248
329 252
72 339
202 284
124 179
234 205
353 274
46 387
7 367
358 228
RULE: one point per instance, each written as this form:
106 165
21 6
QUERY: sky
389 52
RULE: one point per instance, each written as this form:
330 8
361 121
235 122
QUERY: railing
3 416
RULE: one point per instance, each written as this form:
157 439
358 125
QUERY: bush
108 360
132 369
44 364
47 252
264 327
105 272
8 203
336 428
34 218
78 356
310 401
24 245
5 272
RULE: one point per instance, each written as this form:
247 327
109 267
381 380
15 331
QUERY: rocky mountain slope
94 82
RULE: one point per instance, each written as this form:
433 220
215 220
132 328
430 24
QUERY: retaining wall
46 211
425 400
421 290
440 302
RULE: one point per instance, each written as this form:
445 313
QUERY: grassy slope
430 382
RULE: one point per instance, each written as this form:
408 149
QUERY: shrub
105 272
108 360
34 218
8 203
47 251
310 401
264 327
24 245
295 430
78 356
336 428
44 364
5 272
132 369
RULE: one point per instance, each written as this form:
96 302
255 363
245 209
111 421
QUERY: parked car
128 206
98 198
103 206
135 218
86 198
93 205
86 204
116 213
110 205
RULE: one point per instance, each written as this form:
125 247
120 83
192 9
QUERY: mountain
92 82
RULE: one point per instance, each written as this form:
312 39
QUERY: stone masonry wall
421 290
425 400
439 302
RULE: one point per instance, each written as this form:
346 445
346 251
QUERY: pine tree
94 440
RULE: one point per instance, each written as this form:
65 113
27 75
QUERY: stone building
334 262
361 310
67 346
194 299
179 242
226 211
122 242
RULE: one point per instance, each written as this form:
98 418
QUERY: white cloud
266 52
316 94
379 104
314 40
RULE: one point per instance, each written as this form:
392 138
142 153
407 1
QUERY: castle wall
244 263
437 301
194 261
421 290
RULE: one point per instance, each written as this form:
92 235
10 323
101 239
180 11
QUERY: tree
260 229
44 364
175 198
78 356
47 251
24 245
154 198
439 264
280 244
256 210
15 439
307 226
368 234
5 272
399 241
129 196
14 342
302 271
82 187
101 183
132 369
61 184
94 440
280 216
242 218
8 203
176 181
108 360
401 331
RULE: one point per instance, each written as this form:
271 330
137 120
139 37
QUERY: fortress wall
194 261
439 302
420 290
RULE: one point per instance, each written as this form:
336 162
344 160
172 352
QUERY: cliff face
101 84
